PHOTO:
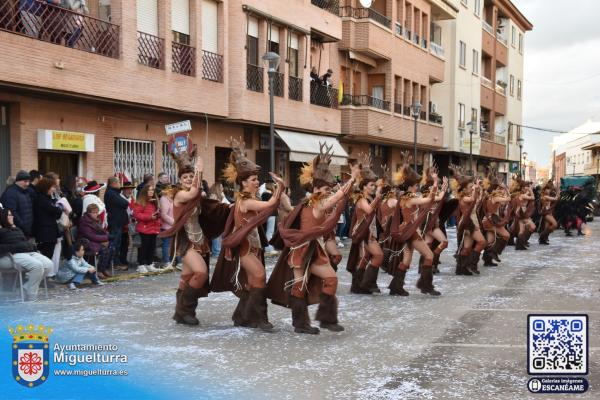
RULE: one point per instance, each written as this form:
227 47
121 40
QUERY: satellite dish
366 3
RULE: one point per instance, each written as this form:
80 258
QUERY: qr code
557 344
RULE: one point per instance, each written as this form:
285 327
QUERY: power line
537 129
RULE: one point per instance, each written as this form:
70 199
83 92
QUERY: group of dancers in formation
395 216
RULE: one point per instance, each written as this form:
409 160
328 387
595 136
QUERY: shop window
134 157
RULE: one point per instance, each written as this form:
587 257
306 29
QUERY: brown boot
436 263
238 315
544 237
300 318
327 313
357 278
369 280
461 264
256 312
425 282
498 248
473 262
520 242
488 258
397 284
189 302
178 316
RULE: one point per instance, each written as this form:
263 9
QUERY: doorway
65 164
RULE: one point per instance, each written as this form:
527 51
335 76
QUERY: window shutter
294 41
210 31
180 16
147 16
274 34
253 27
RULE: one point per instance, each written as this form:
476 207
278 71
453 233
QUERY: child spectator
145 211
76 269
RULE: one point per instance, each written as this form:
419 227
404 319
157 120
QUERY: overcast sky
562 69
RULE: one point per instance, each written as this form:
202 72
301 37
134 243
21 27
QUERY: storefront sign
180 143
65 140
178 127
513 167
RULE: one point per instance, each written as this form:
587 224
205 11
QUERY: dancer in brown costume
524 211
241 267
303 274
433 234
495 196
365 267
470 240
411 204
197 221
385 212
548 202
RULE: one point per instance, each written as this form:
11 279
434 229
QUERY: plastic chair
19 272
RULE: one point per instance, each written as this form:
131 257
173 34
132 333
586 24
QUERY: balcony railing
487 136
435 118
398 26
295 88
501 89
184 59
416 39
424 43
151 50
212 66
359 13
407 34
333 6
398 108
254 78
324 96
364 100
487 82
278 80
502 39
406 111
487 27
54 24
436 49
500 139
423 115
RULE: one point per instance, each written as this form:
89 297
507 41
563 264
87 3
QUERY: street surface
469 343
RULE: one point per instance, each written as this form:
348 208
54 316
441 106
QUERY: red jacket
145 223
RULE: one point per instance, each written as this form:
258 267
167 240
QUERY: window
461 115
475 62
147 16
513 36
519 89
273 39
104 10
210 29
512 85
521 43
462 60
478 7
180 21
134 157
293 54
252 38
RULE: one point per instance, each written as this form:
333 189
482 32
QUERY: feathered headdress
427 180
184 161
317 173
491 181
406 176
239 167
517 183
460 180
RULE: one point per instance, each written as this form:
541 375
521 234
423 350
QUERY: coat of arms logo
30 354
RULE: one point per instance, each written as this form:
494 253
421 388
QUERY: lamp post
271 62
520 142
525 173
471 125
416 111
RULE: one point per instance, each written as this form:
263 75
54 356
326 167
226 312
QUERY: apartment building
483 99
577 152
89 94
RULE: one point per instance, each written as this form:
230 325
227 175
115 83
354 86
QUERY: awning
304 147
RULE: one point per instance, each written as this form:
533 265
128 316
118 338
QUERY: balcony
487 82
501 87
435 118
398 28
184 59
364 100
151 50
492 146
278 79
254 78
361 13
57 25
295 88
502 39
424 43
212 66
436 49
487 27
416 39
423 115
407 34
324 96
333 6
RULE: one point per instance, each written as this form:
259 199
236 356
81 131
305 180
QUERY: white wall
514 107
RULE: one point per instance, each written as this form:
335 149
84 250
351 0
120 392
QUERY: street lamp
525 170
520 142
416 111
471 125
271 62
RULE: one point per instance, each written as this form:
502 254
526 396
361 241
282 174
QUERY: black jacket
45 214
116 208
19 202
12 240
